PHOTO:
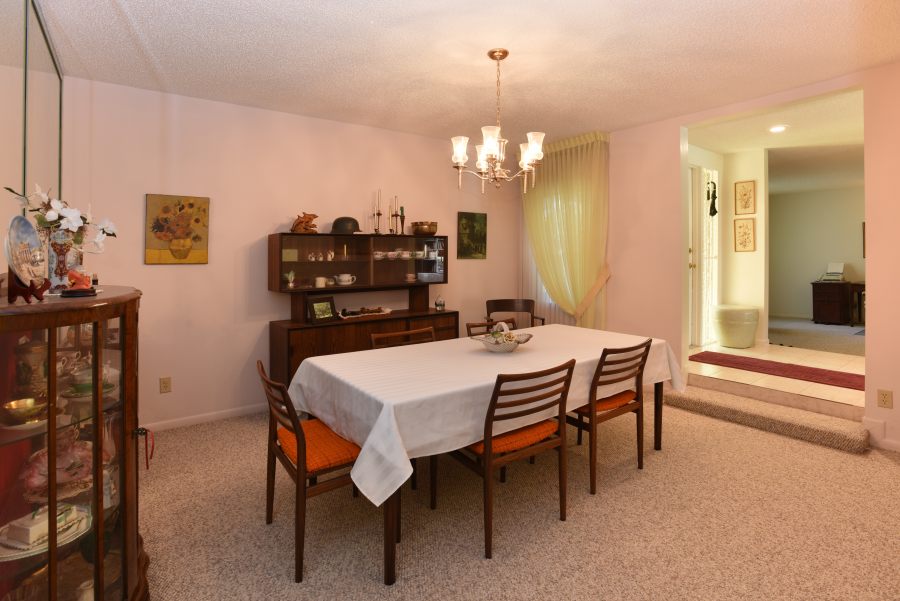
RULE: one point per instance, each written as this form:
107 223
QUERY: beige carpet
821 337
826 430
722 512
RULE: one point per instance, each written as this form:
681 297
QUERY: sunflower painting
177 230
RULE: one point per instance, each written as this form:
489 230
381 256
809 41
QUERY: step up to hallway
826 430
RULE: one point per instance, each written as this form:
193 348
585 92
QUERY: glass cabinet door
68 464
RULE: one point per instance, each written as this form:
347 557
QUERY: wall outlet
886 399
165 385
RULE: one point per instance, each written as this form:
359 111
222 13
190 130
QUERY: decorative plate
24 252
10 550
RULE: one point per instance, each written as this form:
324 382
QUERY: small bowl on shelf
378 255
419 254
405 254
26 410
392 255
424 228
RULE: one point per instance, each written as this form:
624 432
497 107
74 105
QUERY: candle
401 210
345 251
378 204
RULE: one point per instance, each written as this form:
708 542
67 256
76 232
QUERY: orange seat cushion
609 403
324 448
518 439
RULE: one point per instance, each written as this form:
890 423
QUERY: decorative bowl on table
424 228
501 340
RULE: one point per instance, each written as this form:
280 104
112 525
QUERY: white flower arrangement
52 214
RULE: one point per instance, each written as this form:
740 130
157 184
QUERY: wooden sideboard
290 342
375 263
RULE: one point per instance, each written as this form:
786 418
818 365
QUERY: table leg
657 415
390 537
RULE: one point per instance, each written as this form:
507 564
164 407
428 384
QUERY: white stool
736 325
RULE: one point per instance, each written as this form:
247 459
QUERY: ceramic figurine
303 224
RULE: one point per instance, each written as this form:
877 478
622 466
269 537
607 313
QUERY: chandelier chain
498 92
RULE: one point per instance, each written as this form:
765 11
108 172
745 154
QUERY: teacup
378 255
393 254
405 254
83 380
344 279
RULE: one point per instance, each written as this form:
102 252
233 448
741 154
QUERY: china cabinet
310 265
68 449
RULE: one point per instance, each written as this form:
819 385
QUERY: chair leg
503 474
640 436
299 526
563 484
399 498
415 475
432 479
488 509
531 460
580 428
592 443
270 484
355 492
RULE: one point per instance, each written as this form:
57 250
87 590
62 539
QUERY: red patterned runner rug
785 370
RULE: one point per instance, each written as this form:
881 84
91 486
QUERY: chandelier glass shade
491 153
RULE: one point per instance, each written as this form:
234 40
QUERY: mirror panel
12 105
43 87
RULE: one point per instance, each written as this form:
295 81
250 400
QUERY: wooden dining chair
483 327
512 305
519 396
402 338
307 449
616 365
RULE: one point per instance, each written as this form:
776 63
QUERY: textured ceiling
420 66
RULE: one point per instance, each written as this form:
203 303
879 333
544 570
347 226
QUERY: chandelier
492 151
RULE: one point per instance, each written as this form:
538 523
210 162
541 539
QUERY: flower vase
181 247
62 255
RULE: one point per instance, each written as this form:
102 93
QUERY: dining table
403 402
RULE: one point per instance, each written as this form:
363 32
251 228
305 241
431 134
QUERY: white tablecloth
419 400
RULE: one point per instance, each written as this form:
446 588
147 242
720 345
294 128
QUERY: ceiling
421 67
815 168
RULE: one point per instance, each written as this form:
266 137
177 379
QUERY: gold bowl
26 410
424 228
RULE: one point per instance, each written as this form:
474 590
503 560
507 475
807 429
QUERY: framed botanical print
745 197
321 309
745 235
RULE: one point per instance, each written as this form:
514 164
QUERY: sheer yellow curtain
566 218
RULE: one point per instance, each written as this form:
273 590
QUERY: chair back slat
520 395
402 338
483 327
622 364
282 411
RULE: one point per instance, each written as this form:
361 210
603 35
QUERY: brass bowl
424 228
26 410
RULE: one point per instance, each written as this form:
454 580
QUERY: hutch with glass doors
309 266
68 449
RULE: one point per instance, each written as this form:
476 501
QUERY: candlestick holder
394 218
402 224
377 215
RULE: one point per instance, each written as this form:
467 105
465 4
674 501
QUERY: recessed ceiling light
777 129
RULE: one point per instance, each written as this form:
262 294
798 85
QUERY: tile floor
786 354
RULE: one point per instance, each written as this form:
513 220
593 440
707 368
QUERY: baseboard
877 429
205 417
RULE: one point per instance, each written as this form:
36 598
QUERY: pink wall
648 253
205 325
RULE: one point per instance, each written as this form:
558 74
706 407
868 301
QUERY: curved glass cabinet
68 456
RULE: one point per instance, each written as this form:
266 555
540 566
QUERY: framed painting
321 309
745 235
745 197
471 235
176 230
